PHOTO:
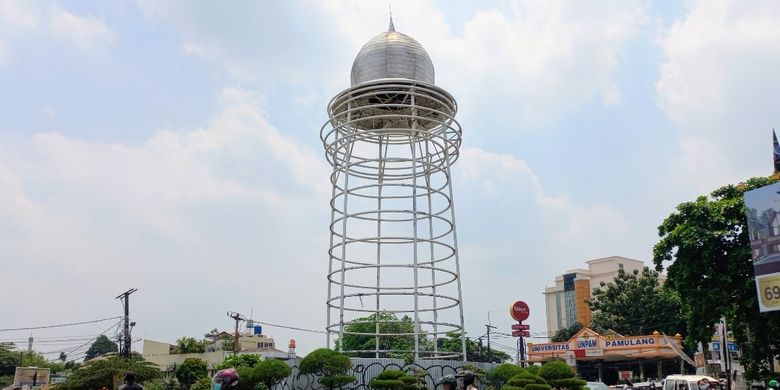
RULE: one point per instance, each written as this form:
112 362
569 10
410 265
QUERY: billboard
762 207
31 376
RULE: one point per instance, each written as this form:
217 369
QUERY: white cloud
714 87
25 20
84 32
235 193
530 61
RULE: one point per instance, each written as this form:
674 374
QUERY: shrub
202 384
330 365
534 369
270 372
556 370
537 386
505 372
523 379
396 380
242 360
336 381
190 371
561 376
569 383
507 387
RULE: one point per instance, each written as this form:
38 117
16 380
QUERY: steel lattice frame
391 143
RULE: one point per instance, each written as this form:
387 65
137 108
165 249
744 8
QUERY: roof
392 55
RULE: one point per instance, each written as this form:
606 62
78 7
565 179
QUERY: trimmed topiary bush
505 372
537 386
561 376
507 387
569 384
332 367
396 380
533 369
524 379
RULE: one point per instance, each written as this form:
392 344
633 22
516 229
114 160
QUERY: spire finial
392 27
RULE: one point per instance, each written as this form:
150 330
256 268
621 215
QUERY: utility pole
238 318
489 353
124 346
724 347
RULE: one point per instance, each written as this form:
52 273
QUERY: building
220 346
566 301
600 356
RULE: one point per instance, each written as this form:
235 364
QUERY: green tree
636 304
101 346
706 252
190 345
564 334
240 360
560 376
190 371
270 372
98 373
331 366
475 351
402 339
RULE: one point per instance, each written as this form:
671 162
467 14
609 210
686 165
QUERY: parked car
596 386
691 382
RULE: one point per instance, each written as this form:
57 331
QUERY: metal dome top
391 55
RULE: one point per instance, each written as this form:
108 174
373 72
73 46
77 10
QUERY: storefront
613 352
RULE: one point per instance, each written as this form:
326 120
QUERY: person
130 384
225 379
465 380
447 382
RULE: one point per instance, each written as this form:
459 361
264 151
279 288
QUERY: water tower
394 270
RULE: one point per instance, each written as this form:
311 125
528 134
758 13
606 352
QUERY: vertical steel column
412 143
347 157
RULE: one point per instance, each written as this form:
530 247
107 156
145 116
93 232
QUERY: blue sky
182 138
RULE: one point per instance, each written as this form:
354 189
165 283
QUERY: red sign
521 327
519 311
625 375
521 333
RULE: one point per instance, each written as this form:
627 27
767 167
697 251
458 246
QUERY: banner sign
762 207
31 376
630 342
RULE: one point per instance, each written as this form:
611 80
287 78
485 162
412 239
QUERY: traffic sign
519 311
521 333
521 327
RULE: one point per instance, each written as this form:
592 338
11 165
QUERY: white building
566 300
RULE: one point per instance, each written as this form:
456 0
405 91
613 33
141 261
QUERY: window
774 230
620 265
756 253
774 248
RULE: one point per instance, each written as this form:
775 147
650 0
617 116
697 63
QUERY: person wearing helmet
130 384
773 384
225 379
466 380
447 382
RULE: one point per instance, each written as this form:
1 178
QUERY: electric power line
60 325
290 327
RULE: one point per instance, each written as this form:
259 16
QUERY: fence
365 369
